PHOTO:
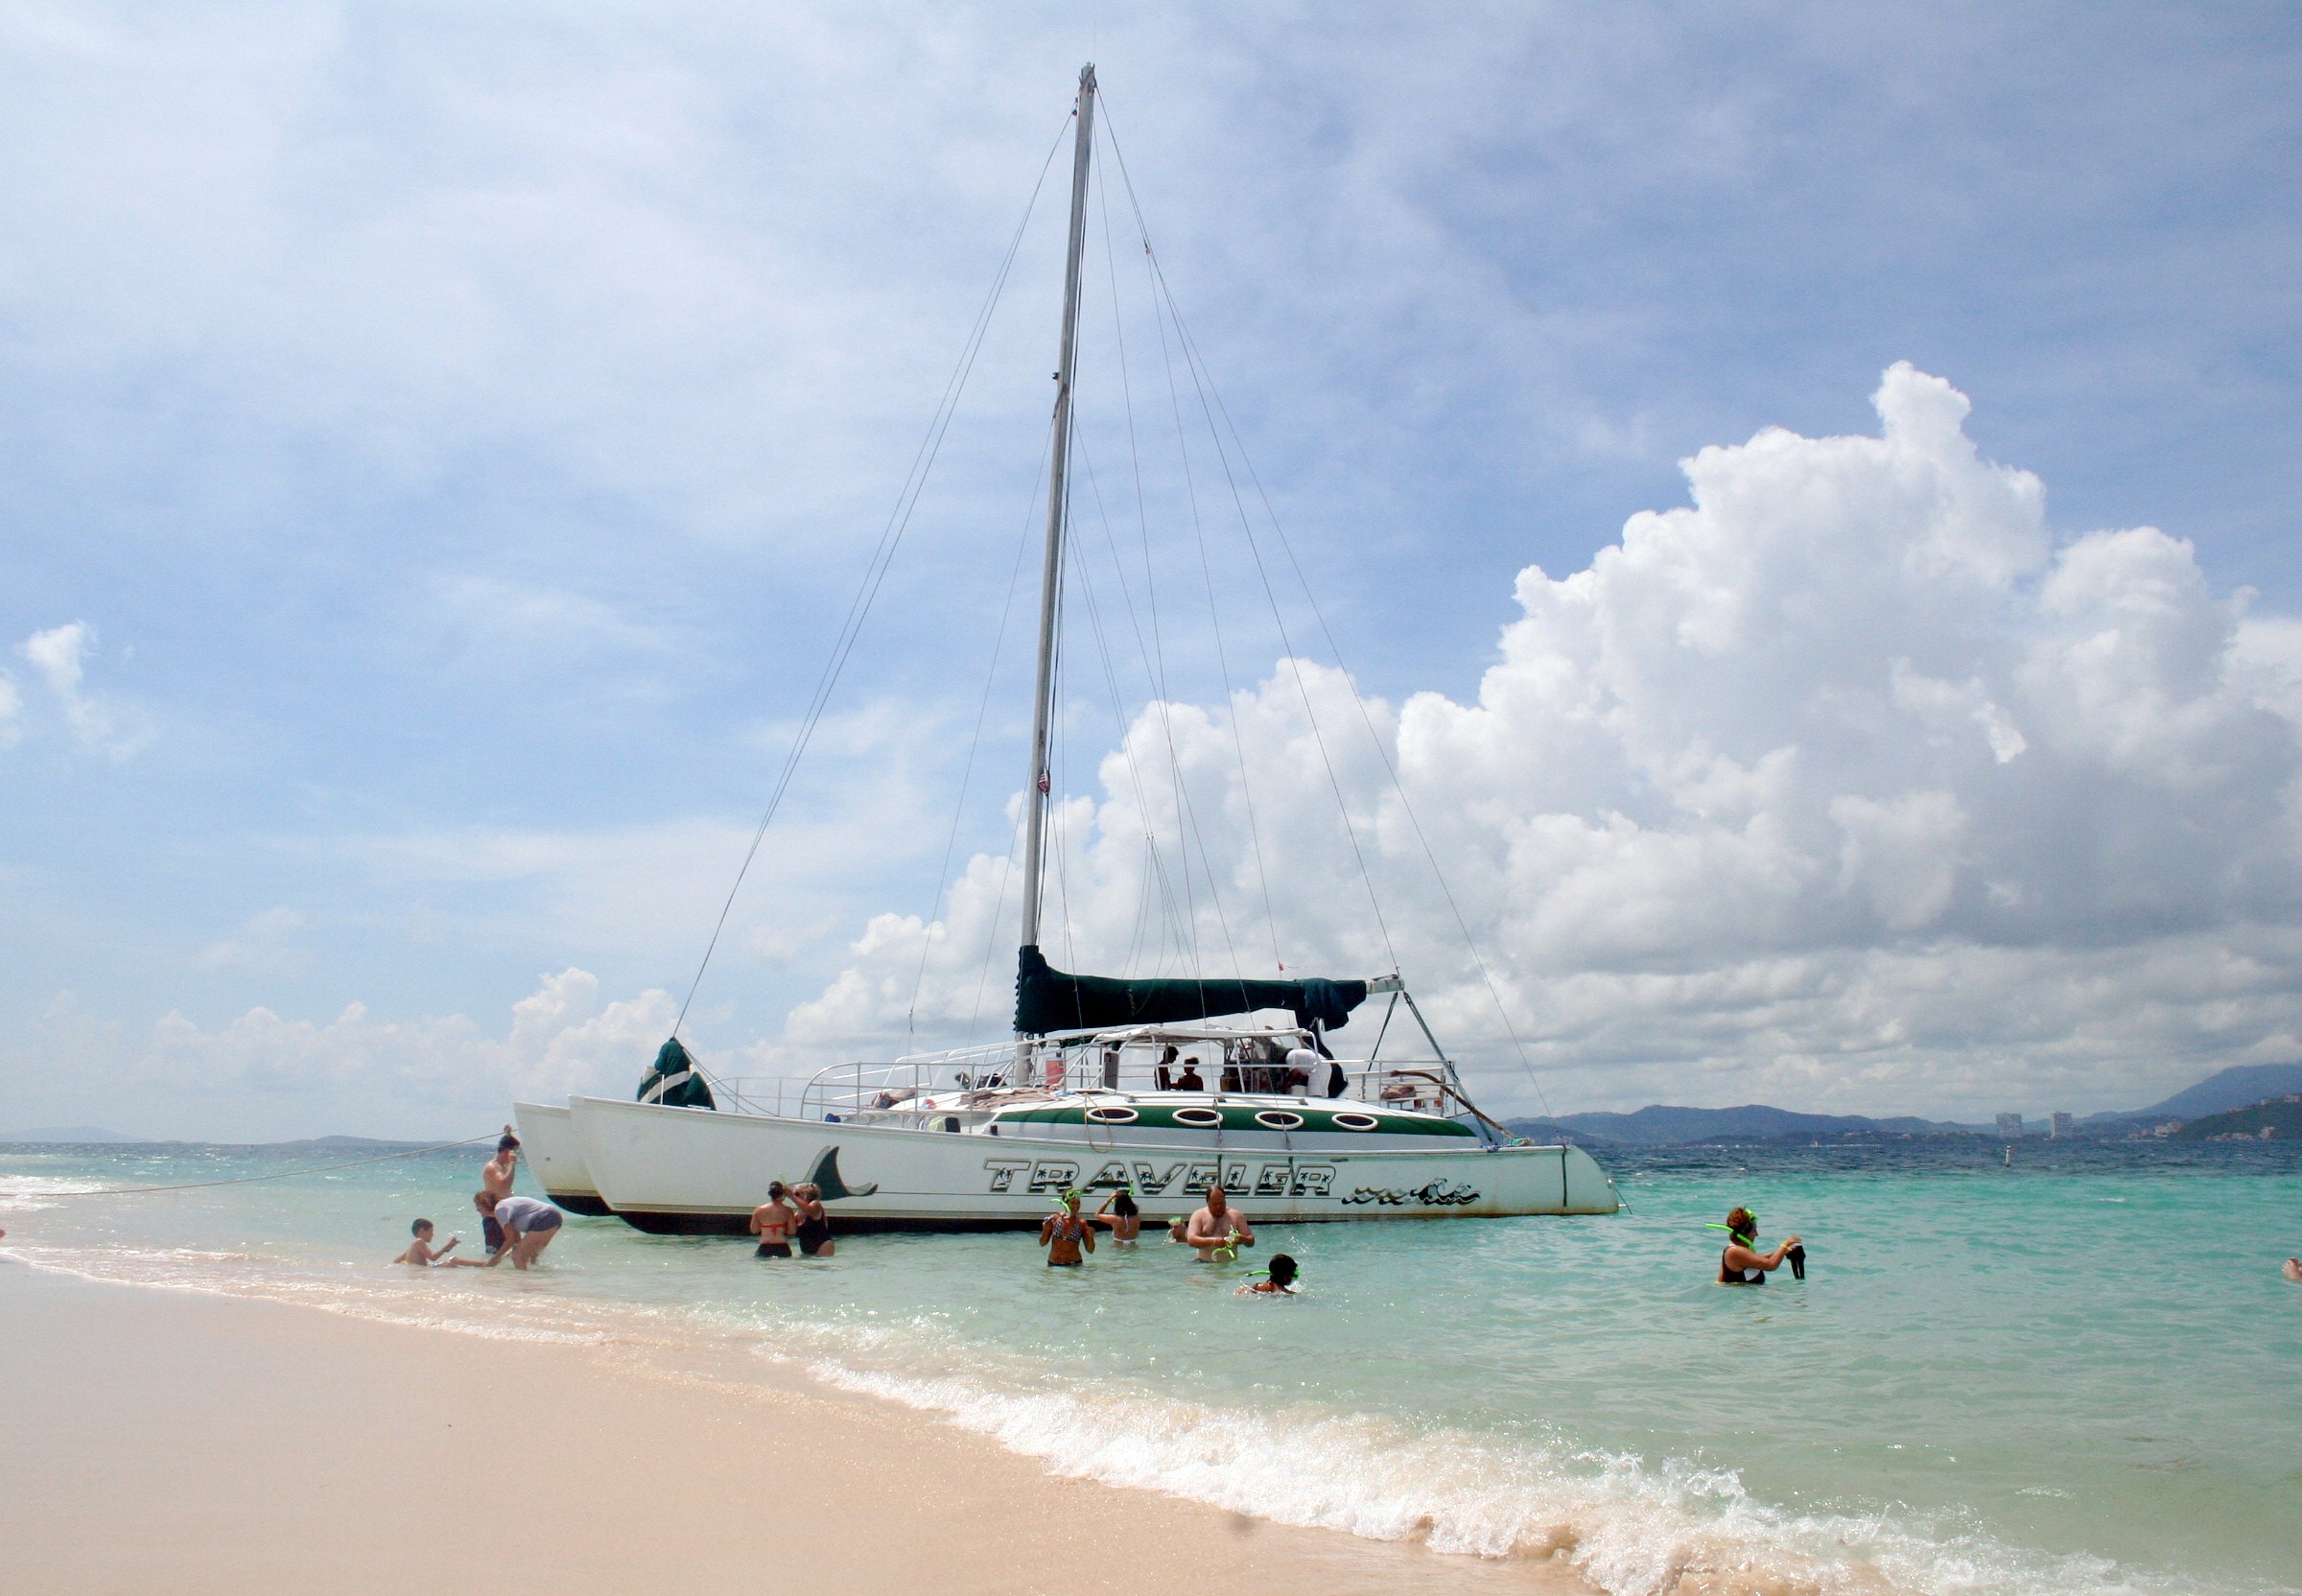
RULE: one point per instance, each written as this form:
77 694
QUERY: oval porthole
1279 1119
1348 1121
1198 1118
1112 1115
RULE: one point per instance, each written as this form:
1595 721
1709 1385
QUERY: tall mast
1051 583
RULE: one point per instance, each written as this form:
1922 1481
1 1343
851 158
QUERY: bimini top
1046 999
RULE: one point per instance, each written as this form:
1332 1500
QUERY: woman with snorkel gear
1742 1263
1063 1233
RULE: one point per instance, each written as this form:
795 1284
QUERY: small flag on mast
1043 782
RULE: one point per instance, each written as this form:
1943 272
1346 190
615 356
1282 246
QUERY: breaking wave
1623 1525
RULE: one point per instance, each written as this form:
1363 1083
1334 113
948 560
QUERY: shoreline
178 1440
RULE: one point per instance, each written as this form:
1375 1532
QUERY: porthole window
1198 1118
1109 1114
1279 1119
1348 1121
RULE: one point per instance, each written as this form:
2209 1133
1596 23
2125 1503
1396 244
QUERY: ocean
2078 1373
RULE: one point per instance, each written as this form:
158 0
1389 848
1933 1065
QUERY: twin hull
672 1169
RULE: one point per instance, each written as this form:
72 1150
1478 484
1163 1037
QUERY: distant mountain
2241 1085
2279 1120
78 1135
1658 1125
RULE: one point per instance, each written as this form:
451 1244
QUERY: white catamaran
1109 1083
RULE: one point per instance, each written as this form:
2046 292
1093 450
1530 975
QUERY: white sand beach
172 1441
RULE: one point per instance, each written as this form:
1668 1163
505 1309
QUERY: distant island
2240 1101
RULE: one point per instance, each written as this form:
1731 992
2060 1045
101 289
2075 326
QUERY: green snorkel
1795 1256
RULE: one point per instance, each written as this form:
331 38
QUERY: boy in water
420 1251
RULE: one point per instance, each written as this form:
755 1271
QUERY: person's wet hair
1742 1225
776 1191
419 1226
1283 1269
1122 1204
507 1143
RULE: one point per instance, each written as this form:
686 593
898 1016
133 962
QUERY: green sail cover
675 1080
1046 999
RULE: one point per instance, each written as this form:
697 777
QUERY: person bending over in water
2292 1270
773 1222
1120 1214
1219 1227
528 1227
1064 1232
1741 1262
1280 1281
420 1251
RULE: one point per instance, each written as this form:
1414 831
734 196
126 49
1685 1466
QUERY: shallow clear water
2074 1374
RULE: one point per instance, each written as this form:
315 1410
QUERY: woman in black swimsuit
1741 1262
814 1232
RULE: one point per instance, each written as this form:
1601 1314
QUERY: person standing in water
496 1175
1119 1212
773 1221
1219 1227
1063 1233
1741 1262
813 1233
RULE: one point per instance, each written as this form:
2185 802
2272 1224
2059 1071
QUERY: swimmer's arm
1087 1237
1046 1229
511 1240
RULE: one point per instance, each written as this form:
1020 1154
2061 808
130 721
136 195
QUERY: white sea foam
24 1193
1625 1527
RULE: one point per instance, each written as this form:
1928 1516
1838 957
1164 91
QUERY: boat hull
698 1171
548 1142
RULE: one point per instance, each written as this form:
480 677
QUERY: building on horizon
2059 1126
2009 1126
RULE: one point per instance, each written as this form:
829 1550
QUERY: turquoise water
2075 1375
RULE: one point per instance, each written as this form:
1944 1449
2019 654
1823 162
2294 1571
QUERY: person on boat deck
528 1227
1741 1262
496 1176
1217 1225
1063 1233
1188 1080
1119 1212
773 1222
1317 1076
813 1233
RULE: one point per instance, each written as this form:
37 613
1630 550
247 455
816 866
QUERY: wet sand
170 1441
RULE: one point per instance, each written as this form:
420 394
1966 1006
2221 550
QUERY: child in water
420 1251
1280 1281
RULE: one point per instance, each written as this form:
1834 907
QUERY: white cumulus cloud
1846 783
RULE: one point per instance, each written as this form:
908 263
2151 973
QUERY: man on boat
1188 1080
1218 1227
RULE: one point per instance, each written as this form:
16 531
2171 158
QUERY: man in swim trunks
528 1226
496 1175
1063 1233
773 1222
1218 1225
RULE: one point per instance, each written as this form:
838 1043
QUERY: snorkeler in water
1279 1281
1742 1263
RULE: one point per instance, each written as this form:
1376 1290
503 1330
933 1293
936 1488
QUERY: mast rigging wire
875 573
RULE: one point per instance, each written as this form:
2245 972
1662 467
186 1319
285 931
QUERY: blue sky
440 444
